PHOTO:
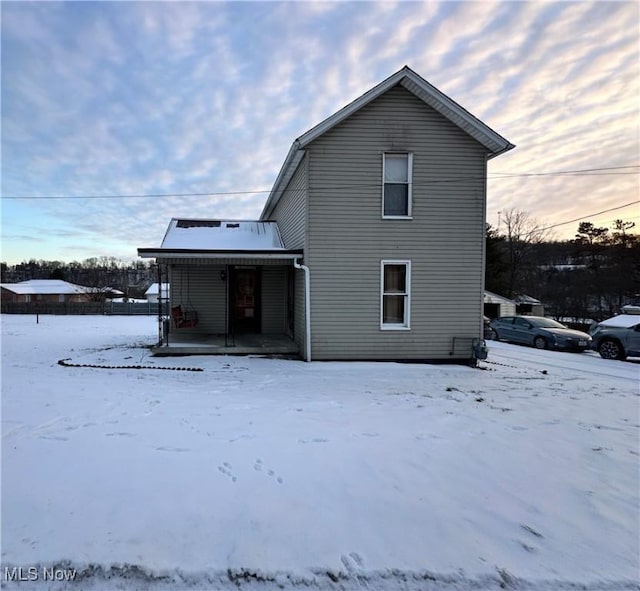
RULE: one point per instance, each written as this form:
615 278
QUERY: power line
592 215
579 172
502 175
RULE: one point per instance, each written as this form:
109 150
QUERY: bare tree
522 233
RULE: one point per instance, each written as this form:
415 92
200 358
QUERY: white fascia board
351 108
289 166
457 114
430 95
230 254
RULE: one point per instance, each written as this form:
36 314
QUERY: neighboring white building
496 305
528 306
153 292
51 290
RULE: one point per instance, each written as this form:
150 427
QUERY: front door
244 298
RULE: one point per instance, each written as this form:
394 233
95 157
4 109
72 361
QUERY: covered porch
226 300
229 306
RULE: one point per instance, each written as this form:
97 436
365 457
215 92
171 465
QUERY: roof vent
197 224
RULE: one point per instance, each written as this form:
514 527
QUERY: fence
73 308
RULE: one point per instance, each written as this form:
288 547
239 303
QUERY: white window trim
407 308
410 183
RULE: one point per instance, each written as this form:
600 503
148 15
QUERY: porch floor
215 344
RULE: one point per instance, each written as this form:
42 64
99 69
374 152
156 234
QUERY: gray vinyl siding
299 329
347 239
274 300
200 288
290 212
291 215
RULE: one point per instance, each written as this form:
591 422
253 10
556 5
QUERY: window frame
406 325
409 156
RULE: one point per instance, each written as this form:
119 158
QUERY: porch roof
209 238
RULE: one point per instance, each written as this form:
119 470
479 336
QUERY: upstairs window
396 192
395 295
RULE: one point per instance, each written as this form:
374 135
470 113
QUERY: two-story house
370 244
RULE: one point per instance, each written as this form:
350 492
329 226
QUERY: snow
44 286
225 235
260 473
154 290
622 321
53 287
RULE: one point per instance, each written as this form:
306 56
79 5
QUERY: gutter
190 253
307 308
508 147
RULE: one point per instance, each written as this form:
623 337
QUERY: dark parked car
618 337
542 333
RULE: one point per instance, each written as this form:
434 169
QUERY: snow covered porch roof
214 239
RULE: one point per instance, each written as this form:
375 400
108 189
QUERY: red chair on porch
182 318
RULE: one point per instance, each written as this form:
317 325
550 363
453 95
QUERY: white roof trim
291 162
429 94
150 253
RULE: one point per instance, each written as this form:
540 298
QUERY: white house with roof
496 305
53 291
371 244
152 294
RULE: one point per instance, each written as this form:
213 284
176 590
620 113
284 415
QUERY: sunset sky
108 108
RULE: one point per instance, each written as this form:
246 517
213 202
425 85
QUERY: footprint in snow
226 469
169 448
260 467
352 562
532 531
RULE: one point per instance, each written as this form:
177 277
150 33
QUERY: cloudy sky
131 99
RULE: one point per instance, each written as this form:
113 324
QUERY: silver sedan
539 332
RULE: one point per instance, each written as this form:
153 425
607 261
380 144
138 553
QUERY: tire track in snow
584 364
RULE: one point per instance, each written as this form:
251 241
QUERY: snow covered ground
276 474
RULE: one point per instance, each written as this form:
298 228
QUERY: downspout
307 308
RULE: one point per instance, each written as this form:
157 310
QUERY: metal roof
209 238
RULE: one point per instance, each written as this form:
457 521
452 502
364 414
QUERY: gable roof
54 287
154 289
494 298
45 287
429 94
